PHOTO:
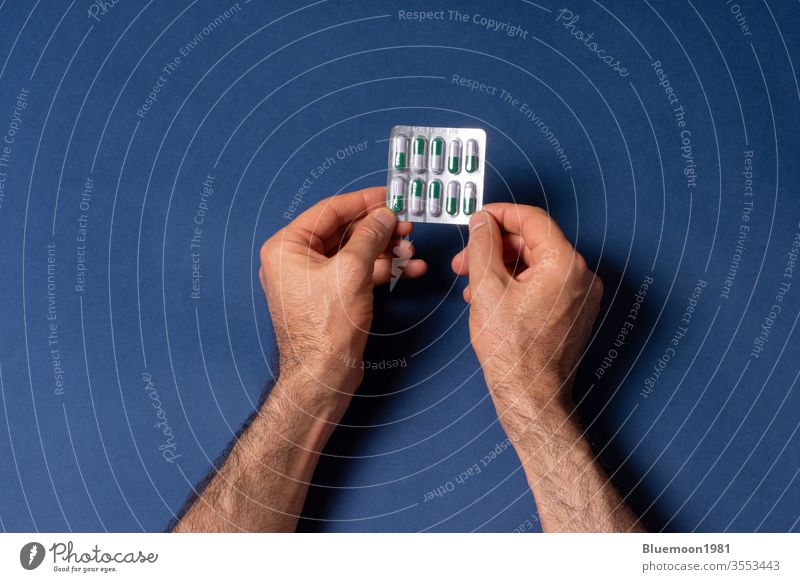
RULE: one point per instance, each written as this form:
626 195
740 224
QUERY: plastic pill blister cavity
436 173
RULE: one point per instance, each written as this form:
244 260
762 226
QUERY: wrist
327 363
295 418
533 405
317 393
544 431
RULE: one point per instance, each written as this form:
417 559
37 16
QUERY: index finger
524 229
331 214
531 223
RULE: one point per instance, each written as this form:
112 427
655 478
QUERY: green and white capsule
451 197
416 202
470 198
418 154
454 156
400 160
437 155
397 194
435 198
471 156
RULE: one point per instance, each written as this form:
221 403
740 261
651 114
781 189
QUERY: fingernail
478 220
386 217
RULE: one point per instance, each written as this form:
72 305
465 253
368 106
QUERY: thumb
485 250
371 237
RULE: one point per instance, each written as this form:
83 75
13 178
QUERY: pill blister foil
422 166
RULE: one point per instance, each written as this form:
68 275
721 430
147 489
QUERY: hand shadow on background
600 399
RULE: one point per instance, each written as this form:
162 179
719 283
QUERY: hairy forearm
572 491
263 483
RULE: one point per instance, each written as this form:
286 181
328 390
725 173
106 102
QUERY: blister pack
436 173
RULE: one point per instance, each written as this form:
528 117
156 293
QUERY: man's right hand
533 301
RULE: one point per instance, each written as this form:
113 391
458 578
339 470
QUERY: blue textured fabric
150 148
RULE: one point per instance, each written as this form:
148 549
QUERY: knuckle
372 232
596 290
327 201
484 241
555 249
550 256
579 265
267 251
540 212
598 285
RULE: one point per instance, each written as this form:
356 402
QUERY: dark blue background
265 98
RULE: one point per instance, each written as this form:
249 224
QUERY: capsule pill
416 203
470 197
397 194
418 154
435 198
471 156
451 200
400 152
437 155
454 157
